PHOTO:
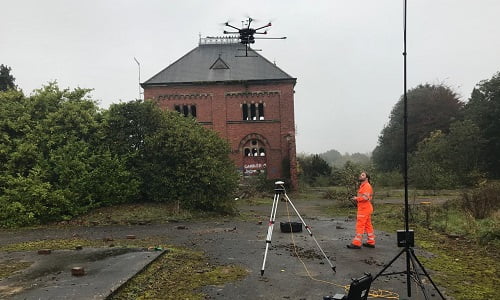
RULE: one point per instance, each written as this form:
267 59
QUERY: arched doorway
254 149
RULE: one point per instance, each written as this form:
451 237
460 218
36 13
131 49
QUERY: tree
429 108
448 161
483 109
53 165
314 167
6 79
464 148
428 165
174 157
335 159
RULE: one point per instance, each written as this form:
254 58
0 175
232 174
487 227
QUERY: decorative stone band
183 96
253 94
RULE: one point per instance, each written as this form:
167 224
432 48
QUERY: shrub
340 196
390 179
483 201
489 231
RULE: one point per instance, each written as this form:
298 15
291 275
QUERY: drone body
246 34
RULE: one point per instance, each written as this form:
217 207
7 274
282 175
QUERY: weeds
482 202
163 278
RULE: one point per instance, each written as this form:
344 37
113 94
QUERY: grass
466 268
68 244
7 268
133 214
179 274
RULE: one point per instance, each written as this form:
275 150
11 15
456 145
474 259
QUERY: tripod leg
417 277
388 265
270 229
426 274
310 232
408 275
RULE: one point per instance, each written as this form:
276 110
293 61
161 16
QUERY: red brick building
248 100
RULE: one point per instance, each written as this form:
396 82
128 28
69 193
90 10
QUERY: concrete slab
50 276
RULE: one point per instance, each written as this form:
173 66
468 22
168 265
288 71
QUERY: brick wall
219 107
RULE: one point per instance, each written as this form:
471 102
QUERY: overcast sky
346 55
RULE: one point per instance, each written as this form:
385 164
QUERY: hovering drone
247 34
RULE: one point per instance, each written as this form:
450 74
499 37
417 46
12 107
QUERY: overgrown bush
53 165
390 179
489 230
175 158
61 156
483 201
315 171
341 197
256 186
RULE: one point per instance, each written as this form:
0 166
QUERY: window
253 111
253 148
245 111
186 110
260 111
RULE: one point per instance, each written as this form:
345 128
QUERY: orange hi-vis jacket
364 198
363 219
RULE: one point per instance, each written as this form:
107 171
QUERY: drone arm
268 25
229 25
271 38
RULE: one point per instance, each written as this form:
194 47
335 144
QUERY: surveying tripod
279 190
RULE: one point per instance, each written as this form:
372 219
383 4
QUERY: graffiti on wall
253 168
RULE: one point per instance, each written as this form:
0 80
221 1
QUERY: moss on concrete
179 274
9 267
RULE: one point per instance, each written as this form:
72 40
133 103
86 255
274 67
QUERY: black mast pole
405 160
411 258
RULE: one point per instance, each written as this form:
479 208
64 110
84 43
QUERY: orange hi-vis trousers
363 220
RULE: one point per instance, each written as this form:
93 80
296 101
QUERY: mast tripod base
412 259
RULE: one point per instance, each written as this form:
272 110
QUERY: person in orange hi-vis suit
365 210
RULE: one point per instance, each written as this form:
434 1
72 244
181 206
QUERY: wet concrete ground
228 242
50 275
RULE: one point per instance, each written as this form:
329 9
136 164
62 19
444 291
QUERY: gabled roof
218 63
